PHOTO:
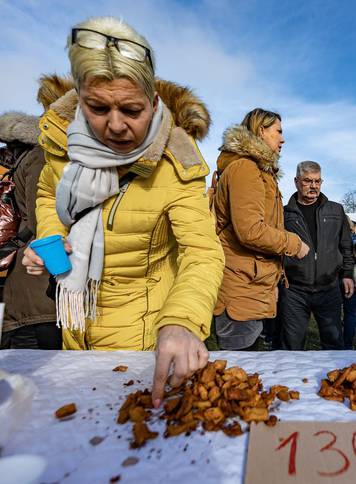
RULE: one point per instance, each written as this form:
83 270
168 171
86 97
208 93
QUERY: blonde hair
258 118
108 64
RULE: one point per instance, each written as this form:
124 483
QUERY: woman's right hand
303 251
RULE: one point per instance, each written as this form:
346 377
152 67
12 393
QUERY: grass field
313 340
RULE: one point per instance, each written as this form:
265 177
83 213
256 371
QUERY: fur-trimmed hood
19 132
20 127
238 139
188 111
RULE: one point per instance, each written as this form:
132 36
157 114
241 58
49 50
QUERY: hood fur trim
188 111
238 139
66 105
18 126
52 87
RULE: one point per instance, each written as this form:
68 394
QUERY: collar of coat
238 139
185 118
293 206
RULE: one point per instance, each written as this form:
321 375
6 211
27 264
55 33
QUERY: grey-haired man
314 281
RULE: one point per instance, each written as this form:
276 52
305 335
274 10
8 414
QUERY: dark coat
332 258
25 295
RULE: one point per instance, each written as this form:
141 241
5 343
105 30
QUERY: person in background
30 316
124 184
249 222
314 281
349 303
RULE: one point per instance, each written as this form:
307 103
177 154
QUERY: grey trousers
236 335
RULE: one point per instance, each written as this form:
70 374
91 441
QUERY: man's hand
34 264
181 349
304 250
349 287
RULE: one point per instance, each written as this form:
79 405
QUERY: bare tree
349 201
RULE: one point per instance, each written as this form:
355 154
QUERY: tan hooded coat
249 215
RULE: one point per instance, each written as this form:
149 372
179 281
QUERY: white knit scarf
90 178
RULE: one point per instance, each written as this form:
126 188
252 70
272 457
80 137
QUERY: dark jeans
349 321
295 308
41 336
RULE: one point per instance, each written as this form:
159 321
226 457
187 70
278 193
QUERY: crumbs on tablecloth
115 479
96 440
130 461
120 368
129 383
65 410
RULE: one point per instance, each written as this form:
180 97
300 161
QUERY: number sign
302 453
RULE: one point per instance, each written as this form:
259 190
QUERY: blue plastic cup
51 250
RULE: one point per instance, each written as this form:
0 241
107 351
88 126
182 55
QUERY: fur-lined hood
238 139
20 127
188 111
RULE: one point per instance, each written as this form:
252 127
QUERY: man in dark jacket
314 280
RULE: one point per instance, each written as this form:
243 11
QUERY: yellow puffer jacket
163 262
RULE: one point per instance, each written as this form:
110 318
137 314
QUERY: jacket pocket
267 271
116 292
243 268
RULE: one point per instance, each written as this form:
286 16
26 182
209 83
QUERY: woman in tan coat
249 215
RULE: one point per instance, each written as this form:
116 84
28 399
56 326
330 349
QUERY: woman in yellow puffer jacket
131 205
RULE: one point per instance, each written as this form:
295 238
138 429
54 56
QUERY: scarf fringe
91 295
73 307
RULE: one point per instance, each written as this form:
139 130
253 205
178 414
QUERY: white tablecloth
87 379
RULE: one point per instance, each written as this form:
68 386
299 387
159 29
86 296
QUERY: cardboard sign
302 453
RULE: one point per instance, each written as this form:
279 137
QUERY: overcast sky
297 58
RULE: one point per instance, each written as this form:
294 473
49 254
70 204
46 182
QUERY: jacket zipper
112 213
317 243
308 239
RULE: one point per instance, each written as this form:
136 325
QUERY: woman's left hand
179 347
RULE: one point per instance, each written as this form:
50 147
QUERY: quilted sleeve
192 298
